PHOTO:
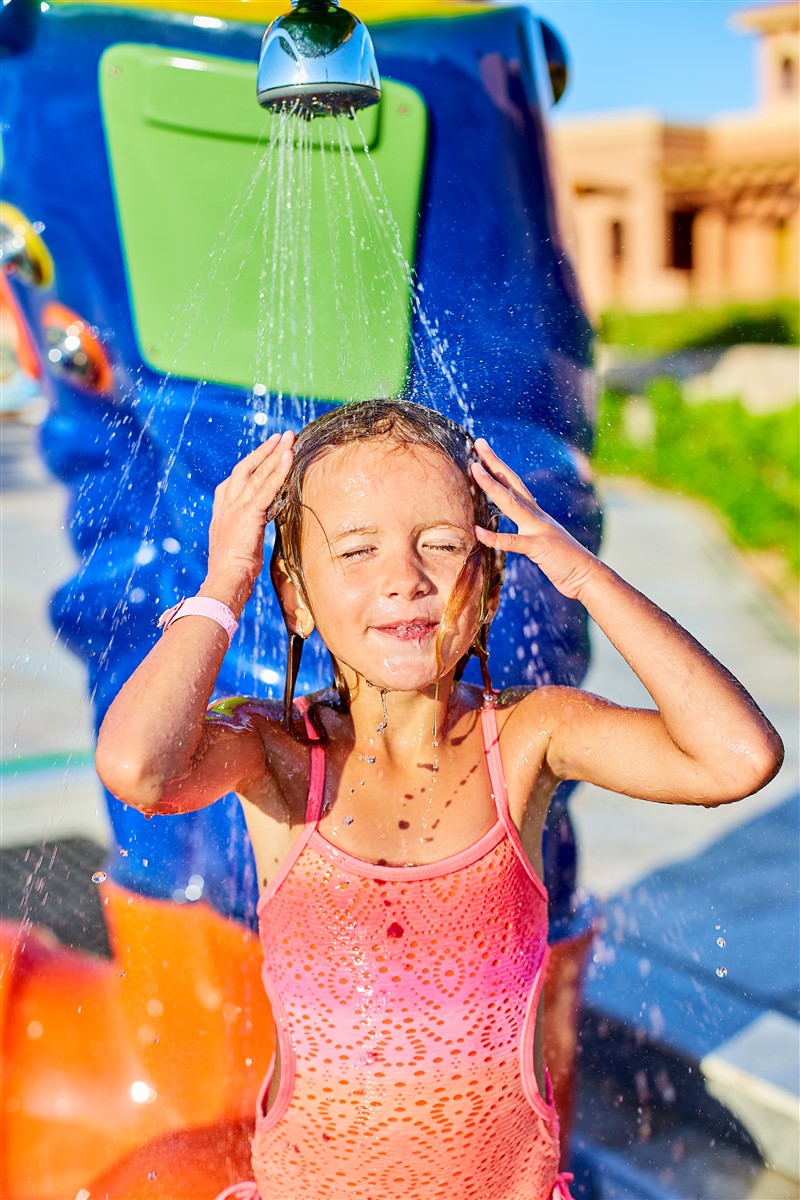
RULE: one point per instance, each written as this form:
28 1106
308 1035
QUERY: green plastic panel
263 251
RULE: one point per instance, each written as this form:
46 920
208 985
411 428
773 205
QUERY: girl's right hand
239 517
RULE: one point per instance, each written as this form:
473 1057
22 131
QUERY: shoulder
536 712
518 702
237 711
525 699
265 717
523 714
244 719
241 715
275 759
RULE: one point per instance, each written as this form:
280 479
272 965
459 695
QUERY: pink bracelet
200 606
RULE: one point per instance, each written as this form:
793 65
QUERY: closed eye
361 552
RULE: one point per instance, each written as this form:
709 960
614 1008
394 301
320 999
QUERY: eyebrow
351 530
372 529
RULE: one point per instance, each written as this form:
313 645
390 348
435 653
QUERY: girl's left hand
567 564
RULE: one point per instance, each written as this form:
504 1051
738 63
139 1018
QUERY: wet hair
398 423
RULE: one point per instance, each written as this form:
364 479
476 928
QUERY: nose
405 576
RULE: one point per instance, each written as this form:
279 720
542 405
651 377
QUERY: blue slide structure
140 449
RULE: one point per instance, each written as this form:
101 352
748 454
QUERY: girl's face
386 530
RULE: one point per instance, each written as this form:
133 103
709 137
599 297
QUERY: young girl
397 819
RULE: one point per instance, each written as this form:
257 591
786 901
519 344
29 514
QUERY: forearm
154 728
155 736
707 743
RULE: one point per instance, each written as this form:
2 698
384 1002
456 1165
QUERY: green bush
699 328
745 465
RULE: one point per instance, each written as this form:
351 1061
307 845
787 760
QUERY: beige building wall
666 215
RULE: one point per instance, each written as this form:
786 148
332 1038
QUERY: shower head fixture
317 60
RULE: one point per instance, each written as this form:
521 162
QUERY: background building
667 215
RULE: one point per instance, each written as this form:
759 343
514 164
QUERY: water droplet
395 930
152 1175
194 888
348 820
99 877
722 972
718 925
721 941
384 723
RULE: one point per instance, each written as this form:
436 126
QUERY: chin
404 672
408 678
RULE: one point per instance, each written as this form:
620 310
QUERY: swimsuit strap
497 778
316 782
494 762
314 802
561 1190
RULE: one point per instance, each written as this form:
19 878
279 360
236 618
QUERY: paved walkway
699 957
49 787
674 881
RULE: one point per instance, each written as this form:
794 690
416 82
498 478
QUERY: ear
296 612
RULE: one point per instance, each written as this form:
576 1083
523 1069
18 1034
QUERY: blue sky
679 57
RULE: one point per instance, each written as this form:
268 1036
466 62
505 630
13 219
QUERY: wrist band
201 606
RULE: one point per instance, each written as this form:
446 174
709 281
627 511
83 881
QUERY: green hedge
698 328
746 466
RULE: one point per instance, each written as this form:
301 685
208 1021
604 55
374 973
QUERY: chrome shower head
317 60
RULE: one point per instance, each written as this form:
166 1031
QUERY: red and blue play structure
107 1097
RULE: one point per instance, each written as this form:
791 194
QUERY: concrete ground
49 787
695 973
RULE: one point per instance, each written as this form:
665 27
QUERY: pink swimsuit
405 1004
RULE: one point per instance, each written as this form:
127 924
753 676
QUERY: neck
399 721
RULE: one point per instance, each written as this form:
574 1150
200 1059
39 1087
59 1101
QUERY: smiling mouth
409 631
